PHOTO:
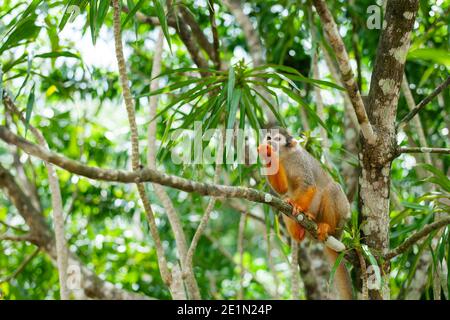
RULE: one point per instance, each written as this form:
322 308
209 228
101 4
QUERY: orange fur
279 181
295 230
303 198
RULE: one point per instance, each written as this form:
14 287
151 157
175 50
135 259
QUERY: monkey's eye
268 138
277 138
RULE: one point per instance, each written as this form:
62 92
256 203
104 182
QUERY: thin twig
295 275
216 43
416 237
240 250
230 258
57 206
417 124
12 227
424 102
317 93
335 40
422 150
205 218
160 192
21 266
197 31
129 104
15 238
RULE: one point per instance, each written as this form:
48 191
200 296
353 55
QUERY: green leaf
251 116
81 4
270 105
187 97
253 105
416 259
1 84
56 54
290 73
184 70
439 177
92 20
231 83
162 20
439 56
132 12
29 62
101 14
178 85
24 30
335 266
232 111
30 105
366 252
426 75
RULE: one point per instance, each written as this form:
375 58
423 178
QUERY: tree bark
376 159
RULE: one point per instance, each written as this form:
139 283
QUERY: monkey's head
276 143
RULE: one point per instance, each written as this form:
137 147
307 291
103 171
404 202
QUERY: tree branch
424 102
422 150
216 43
21 266
202 40
251 35
182 29
174 220
8 226
42 236
416 237
240 250
129 103
205 218
26 237
335 40
417 124
149 175
57 206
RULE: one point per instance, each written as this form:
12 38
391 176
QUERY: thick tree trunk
376 159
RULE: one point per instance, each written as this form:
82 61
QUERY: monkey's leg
295 230
327 218
323 229
302 200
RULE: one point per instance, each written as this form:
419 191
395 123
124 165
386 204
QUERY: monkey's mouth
265 152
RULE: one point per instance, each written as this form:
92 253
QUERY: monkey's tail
341 277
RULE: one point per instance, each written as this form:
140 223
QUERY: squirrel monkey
298 177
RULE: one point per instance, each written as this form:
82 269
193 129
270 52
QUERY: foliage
60 68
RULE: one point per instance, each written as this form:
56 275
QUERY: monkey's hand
299 209
296 209
295 230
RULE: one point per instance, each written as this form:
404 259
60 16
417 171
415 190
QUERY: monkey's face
274 145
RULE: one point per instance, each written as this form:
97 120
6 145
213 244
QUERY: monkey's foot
296 209
322 231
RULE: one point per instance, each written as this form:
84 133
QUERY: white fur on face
275 139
